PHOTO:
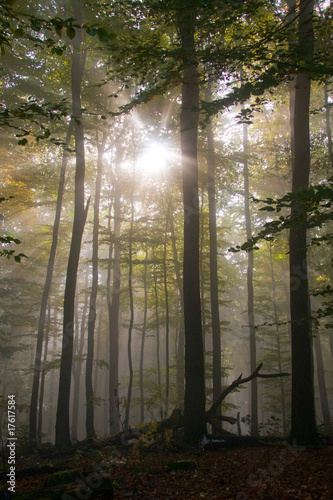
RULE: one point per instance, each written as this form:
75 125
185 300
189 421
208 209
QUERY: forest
166 224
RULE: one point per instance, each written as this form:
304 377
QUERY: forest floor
240 473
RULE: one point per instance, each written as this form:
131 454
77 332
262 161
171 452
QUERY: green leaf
102 34
69 20
70 32
267 209
92 31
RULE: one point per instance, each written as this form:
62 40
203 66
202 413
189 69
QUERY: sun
154 159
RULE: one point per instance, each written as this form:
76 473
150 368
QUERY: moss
62 477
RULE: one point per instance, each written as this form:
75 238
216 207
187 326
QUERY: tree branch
211 412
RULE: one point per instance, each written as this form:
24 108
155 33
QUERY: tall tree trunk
214 286
157 338
90 429
98 352
303 422
181 338
80 214
167 322
325 409
51 398
278 344
113 296
194 402
78 352
46 292
143 337
42 380
131 321
250 297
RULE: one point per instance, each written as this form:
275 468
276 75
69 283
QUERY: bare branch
211 412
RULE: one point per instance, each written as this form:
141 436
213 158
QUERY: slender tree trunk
181 336
46 292
194 403
250 296
98 352
42 380
90 428
51 398
157 337
131 322
143 337
167 322
77 365
278 342
80 214
214 286
113 296
325 409
303 422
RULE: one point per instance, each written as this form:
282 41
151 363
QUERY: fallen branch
210 414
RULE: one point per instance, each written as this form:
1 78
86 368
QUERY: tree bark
303 422
80 214
194 401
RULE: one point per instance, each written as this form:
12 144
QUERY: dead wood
211 413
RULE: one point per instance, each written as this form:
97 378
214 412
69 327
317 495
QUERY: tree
194 400
303 421
80 214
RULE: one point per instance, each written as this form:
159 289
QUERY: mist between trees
166 217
